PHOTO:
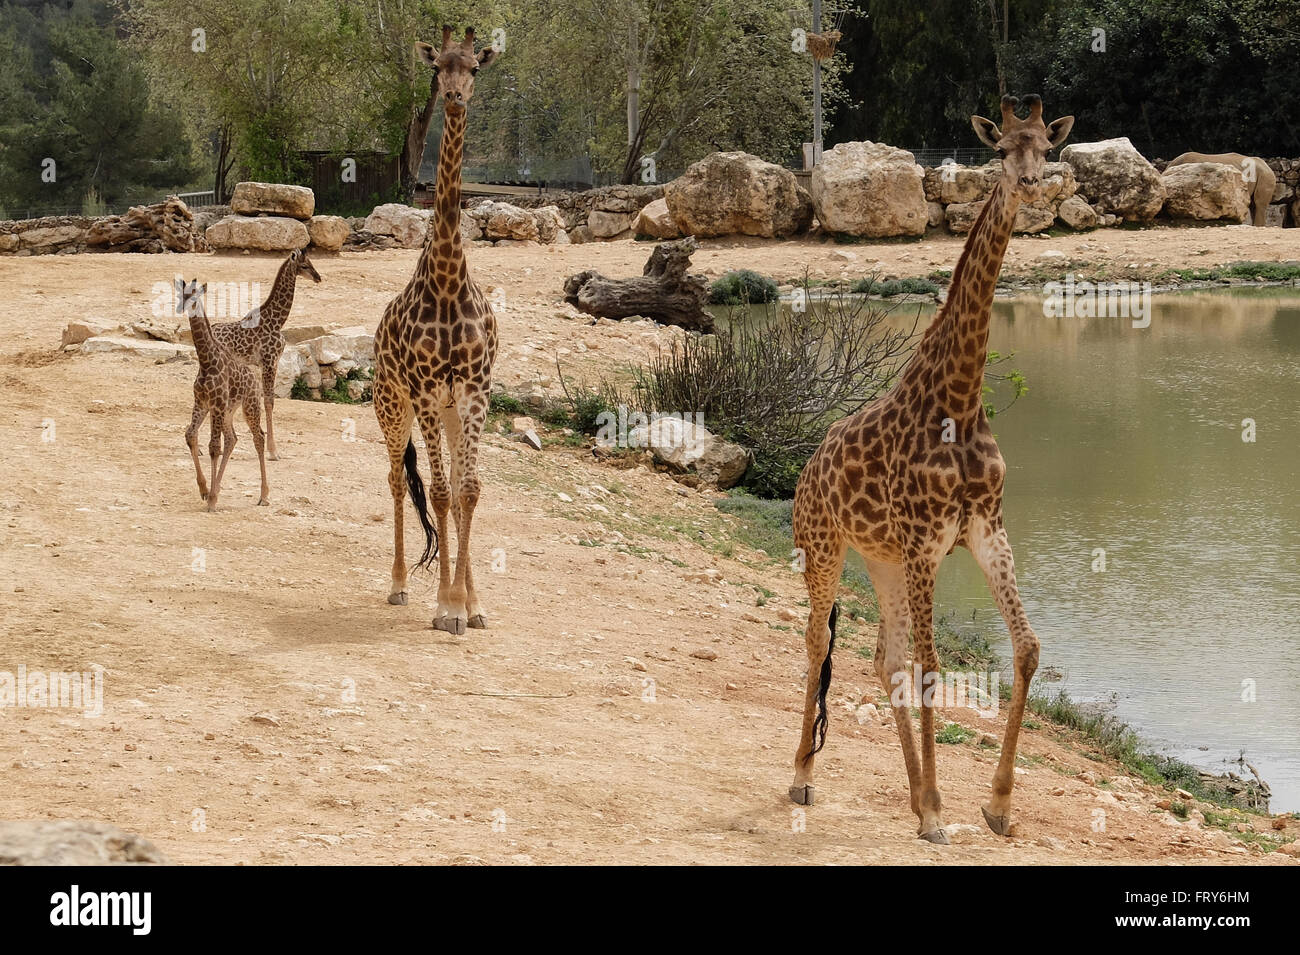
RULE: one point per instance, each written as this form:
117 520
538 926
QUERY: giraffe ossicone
916 473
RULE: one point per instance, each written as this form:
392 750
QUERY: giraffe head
303 264
1023 144
454 66
189 297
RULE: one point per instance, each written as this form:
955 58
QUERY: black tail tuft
421 502
819 724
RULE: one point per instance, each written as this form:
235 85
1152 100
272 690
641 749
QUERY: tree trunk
417 132
664 292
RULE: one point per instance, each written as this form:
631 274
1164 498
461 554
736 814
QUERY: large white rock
1076 213
74 333
295 361
143 347
869 189
273 198
405 224
501 220
607 225
736 193
685 446
328 232
655 220
550 223
1205 191
265 233
73 842
1116 178
354 344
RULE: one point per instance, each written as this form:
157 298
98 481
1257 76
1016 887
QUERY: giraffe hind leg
251 417
824 562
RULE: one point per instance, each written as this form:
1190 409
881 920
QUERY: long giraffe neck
205 343
954 349
442 242
275 310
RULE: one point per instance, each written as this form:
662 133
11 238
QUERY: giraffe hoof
264 503
478 622
999 824
803 795
937 836
398 599
454 625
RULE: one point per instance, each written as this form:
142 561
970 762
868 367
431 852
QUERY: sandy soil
264 704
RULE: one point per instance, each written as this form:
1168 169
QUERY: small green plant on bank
743 287
891 287
338 394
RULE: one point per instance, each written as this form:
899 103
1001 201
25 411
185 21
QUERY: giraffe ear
987 131
426 53
1059 129
487 56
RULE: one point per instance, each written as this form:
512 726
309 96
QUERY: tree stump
163 226
663 292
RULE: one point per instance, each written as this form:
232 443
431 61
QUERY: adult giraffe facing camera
916 473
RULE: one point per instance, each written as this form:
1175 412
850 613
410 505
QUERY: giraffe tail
421 502
819 724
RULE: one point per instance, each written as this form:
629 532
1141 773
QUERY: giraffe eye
474 72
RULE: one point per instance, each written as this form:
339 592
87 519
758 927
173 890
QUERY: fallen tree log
163 226
663 292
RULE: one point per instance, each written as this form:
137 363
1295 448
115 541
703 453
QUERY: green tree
89 111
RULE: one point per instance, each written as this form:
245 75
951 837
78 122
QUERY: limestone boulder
656 221
273 199
735 193
405 224
966 183
295 362
328 233
1206 191
1116 178
263 233
608 225
139 347
69 842
870 189
550 223
352 344
74 333
1031 218
501 220
51 236
1076 213
686 446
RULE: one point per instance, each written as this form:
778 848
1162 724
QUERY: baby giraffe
223 382
258 338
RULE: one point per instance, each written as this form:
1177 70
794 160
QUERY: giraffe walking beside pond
915 474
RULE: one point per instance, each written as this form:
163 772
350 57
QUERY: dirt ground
264 704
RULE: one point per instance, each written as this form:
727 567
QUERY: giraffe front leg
394 416
192 440
992 551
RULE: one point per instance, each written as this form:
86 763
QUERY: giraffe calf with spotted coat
258 338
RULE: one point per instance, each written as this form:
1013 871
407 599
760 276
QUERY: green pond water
1130 440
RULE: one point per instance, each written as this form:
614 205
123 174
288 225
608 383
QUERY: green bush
744 287
871 286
